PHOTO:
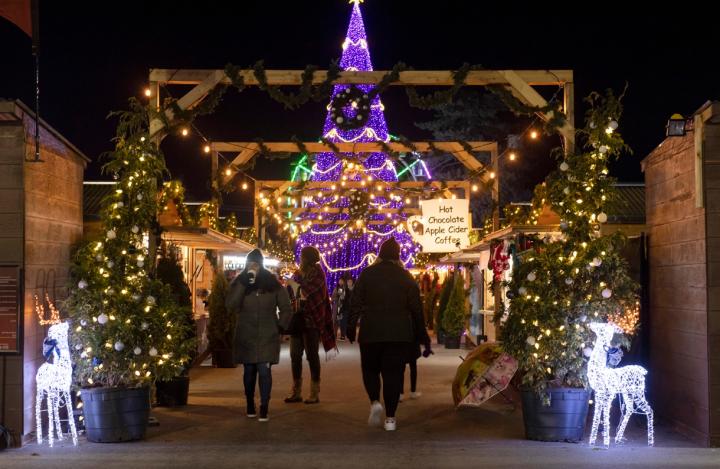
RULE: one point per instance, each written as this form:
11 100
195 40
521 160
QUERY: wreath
358 99
358 204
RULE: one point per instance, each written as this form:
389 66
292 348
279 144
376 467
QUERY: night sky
96 55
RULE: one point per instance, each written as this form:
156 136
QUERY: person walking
386 301
316 327
255 296
345 306
338 297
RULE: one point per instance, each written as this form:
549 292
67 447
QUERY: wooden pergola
521 83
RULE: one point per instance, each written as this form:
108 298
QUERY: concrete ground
213 432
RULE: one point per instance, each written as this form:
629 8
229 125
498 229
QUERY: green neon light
298 167
408 167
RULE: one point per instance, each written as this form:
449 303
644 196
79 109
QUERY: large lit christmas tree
351 240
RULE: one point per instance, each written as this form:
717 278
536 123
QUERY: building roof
629 208
93 194
18 111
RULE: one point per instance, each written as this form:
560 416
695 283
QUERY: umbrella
485 372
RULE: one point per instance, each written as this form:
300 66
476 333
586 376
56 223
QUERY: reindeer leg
628 402
606 421
51 418
71 416
645 407
38 414
58 422
597 413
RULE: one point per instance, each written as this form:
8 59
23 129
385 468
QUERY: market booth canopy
204 238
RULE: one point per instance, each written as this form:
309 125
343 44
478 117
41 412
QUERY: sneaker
415 394
390 424
402 398
376 410
251 412
263 414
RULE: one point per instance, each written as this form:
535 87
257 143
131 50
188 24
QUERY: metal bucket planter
452 341
563 420
116 414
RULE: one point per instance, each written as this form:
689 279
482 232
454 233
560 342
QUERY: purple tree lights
349 242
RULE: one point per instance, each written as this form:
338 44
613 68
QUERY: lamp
675 126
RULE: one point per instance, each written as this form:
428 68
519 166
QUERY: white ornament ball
110 291
613 125
110 264
530 340
151 300
78 347
358 117
83 322
606 293
522 291
602 217
144 325
82 284
568 281
587 351
339 120
566 191
583 318
592 125
135 229
603 149
597 262
137 350
136 297
153 352
564 166
531 276
111 234
120 205
140 263
99 258
119 346
139 196
103 318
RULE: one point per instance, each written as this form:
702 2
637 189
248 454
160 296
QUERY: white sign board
443 227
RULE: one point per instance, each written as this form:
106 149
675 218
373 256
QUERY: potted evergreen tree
174 392
222 324
128 330
455 315
558 287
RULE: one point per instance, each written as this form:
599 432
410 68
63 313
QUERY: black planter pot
116 414
223 358
440 337
563 420
452 342
173 393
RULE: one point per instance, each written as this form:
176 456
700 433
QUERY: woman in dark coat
255 296
314 305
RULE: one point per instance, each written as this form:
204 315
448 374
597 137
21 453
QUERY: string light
533 134
206 148
184 132
148 92
512 156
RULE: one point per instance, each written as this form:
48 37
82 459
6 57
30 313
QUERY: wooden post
154 239
569 107
214 175
495 165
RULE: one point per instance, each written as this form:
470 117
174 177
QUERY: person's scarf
317 305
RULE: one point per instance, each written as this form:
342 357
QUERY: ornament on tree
350 108
103 318
144 325
119 346
151 300
613 125
606 293
111 234
522 291
531 276
135 229
530 340
602 217
137 350
120 205
564 166
359 202
153 352
110 264
568 281
82 284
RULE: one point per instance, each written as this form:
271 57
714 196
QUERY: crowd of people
382 311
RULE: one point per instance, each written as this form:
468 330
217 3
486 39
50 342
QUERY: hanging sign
443 227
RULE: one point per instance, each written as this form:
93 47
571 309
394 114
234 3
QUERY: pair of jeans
386 359
308 342
251 371
413 377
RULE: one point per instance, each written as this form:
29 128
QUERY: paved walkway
212 432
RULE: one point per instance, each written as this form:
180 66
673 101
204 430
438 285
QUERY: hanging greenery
355 118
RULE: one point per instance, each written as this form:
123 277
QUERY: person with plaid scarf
318 326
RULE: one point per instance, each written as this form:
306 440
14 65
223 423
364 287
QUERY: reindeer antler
40 310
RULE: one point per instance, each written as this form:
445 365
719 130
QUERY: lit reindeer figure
53 379
628 381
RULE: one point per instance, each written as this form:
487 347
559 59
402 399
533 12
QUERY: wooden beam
248 149
526 93
569 108
192 98
411 77
285 185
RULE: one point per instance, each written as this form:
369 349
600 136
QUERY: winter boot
295 393
314 393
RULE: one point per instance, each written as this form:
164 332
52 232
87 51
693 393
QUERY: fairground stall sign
443 226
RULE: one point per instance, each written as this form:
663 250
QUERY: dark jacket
386 301
257 336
